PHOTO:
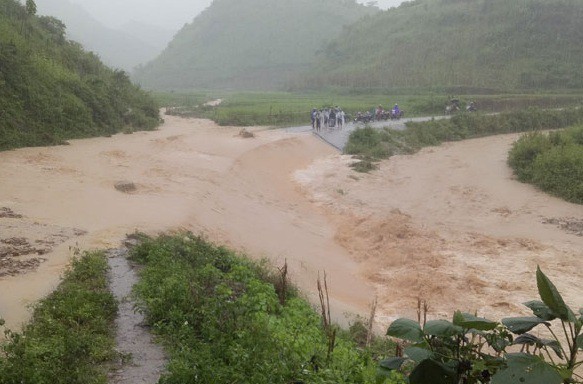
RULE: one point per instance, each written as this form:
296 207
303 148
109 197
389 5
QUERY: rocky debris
567 224
19 246
8 213
125 186
21 254
246 134
11 267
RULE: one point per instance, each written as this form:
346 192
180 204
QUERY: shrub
559 171
553 162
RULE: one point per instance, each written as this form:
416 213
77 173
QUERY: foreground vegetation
552 161
70 337
52 90
474 350
289 109
225 319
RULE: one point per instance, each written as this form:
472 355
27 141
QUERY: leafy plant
472 350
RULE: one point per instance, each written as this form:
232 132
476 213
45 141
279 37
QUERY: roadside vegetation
51 90
552 161
226 319
371 145
70 338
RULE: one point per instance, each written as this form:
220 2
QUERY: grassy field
289 109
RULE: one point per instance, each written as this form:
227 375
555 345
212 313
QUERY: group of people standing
327 117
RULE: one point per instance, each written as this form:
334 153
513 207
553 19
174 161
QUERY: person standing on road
313 116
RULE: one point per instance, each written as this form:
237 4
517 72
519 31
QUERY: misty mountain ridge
124 48
473 45
249 44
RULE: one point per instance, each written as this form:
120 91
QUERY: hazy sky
170 14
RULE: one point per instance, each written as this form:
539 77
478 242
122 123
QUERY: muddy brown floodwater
448 225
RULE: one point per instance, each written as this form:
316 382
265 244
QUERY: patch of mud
20 255
146 360
568 224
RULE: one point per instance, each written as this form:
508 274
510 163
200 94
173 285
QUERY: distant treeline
52 90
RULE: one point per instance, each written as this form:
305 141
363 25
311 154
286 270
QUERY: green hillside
52 90
468 45
249 44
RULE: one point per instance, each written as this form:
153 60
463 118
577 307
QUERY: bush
559 171
553 162
525 151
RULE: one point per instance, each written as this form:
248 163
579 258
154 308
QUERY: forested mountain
117 48
251 44
471 44
52 90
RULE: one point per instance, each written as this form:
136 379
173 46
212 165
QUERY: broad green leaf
418 354
520 325
523 368
580 341
554 345
406 329
527 338
552 298
393 363
442 328
469 321
540 309
431 371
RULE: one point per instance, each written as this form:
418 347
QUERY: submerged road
339 137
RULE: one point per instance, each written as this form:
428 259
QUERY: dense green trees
52 90
471 46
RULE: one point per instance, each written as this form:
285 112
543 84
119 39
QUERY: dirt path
448 225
